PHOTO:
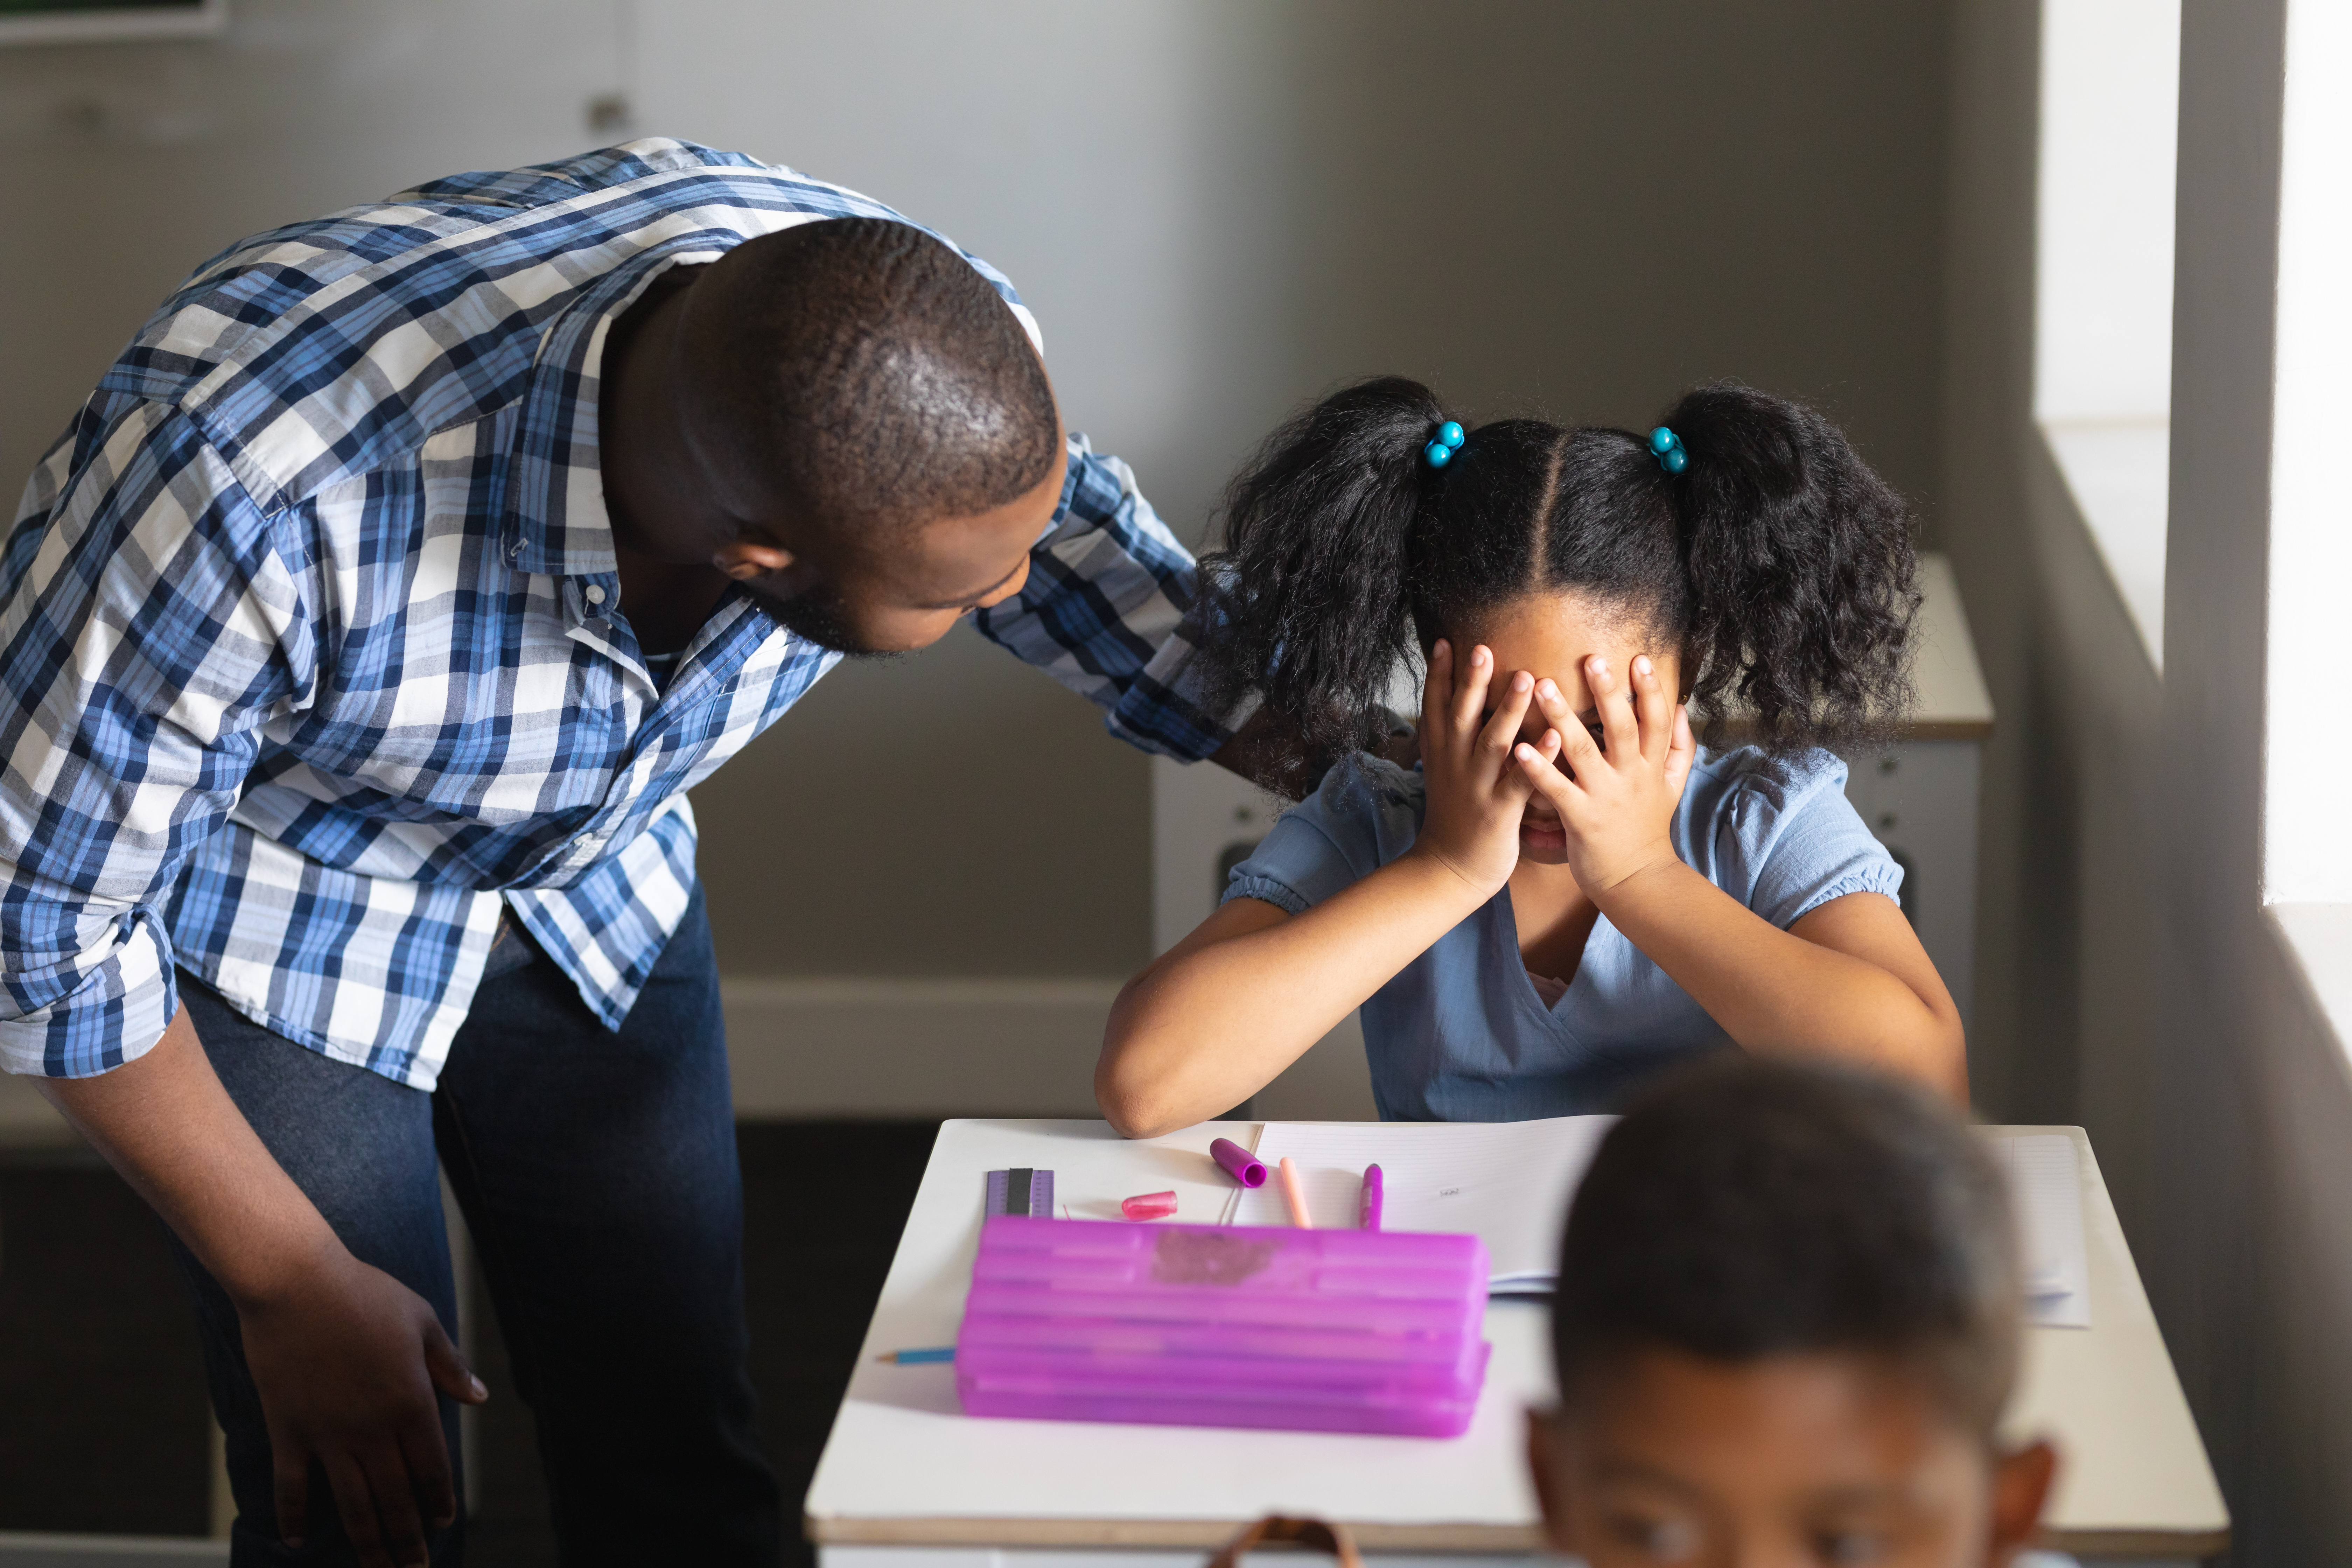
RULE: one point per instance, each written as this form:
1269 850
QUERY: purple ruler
1021 1191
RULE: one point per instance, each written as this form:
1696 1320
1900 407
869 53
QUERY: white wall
2109 103
129 163
2308 842
2132 978
1218 207
2104 199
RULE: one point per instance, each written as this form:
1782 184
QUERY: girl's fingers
1576 742
1535 765
1510 711
1654 711
1614 705
1682 752
1554 707
1470 690
1516 785
1436 698
1557 713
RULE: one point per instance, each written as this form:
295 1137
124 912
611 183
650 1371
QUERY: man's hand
345 1357
1617 806
347 1360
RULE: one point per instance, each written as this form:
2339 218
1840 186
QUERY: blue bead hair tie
1441 449
1667 448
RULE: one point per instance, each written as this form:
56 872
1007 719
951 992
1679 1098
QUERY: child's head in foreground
1787 1323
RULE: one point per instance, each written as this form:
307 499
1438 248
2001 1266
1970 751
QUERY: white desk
908 1481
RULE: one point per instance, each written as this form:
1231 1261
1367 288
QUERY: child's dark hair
1778 561
1747 1208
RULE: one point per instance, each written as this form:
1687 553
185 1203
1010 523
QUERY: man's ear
2020 1489
745 560
1545 1464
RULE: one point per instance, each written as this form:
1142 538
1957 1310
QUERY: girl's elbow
1125 1089
1133 1109
1131 1123
1952 1058
1936 1052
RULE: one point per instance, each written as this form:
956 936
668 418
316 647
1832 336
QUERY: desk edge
1205 1535
2160 1544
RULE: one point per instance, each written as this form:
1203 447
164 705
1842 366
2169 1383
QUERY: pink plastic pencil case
1205 1325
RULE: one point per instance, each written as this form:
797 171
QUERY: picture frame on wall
105 21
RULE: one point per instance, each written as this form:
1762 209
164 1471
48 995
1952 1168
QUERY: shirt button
595 594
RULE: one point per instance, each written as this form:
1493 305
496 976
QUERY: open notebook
1506 1182
2046 1184
1510 1182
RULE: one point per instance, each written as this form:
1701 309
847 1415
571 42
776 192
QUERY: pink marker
1149 1206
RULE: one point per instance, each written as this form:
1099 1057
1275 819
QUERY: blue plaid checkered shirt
309 665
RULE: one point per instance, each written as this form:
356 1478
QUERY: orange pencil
1293 1195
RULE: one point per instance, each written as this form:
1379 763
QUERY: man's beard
815 614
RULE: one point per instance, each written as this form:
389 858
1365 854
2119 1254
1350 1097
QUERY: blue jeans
597 1174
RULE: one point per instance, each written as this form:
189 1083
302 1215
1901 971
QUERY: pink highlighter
1206 1325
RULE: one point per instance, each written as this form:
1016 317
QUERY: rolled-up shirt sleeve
147 632
1106 608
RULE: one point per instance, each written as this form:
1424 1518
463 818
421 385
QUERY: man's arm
146 634
1102 612
310 1314
1105 613
1255 754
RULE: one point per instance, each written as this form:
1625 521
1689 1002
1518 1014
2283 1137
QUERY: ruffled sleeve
1785 840
1362 816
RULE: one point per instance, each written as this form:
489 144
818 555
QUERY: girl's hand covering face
1475 795
1616 807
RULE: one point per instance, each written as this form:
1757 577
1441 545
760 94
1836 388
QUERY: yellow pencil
1293 1195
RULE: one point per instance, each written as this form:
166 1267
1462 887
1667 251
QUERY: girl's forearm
1221 1015
1776 993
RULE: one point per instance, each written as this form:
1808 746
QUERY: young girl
1568 894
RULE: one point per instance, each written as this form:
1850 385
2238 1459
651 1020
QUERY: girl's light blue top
1460 1035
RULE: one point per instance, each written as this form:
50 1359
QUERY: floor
102 1419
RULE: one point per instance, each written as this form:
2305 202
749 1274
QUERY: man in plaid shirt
361 637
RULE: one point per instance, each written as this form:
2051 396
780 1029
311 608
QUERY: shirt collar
554 518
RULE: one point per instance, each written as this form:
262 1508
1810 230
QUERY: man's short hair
1747 1208
870 377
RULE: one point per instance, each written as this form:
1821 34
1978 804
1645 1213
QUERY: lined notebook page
1506 1182
2045 1182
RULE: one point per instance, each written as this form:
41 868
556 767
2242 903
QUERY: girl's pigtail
1801 570
1308 598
